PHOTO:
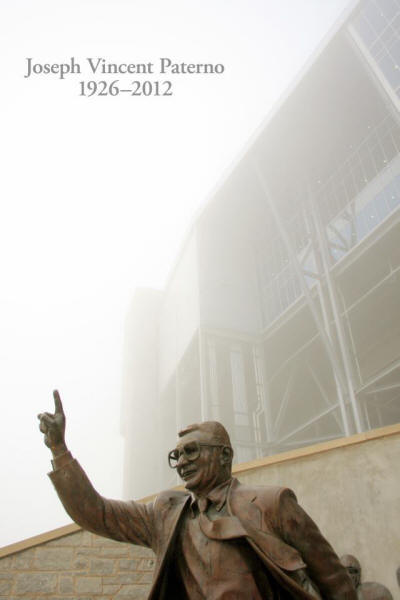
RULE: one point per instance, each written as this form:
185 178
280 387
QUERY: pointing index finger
57 402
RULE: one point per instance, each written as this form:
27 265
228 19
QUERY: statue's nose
181 459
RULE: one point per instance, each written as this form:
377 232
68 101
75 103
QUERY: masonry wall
80 566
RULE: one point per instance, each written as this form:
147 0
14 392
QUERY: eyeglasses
191 451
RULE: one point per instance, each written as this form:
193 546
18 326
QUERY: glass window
375 16
381 205
389 8
387 66
238 382
388 37
376 49
365 31
378 25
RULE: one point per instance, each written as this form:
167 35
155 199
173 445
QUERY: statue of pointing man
218 539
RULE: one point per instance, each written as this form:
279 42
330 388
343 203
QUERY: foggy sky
97 194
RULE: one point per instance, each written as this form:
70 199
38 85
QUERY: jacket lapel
243 504
277 556
170 516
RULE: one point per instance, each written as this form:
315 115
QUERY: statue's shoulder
169 498
266 494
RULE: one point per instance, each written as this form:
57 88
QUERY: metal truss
340 369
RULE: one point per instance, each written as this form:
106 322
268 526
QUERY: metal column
334 359
336 315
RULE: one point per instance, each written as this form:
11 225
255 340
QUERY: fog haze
97 196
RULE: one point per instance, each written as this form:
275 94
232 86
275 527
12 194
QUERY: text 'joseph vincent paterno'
100 66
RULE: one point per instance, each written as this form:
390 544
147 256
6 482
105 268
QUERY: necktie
224 528
202 503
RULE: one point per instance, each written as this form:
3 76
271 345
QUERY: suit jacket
283 536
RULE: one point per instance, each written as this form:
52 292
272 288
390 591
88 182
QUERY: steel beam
309 422
334 359
349 379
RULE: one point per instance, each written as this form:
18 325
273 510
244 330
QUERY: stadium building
281 316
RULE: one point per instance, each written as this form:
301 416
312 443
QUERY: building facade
281 316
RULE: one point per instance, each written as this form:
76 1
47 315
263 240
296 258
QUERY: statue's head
203 456
353 568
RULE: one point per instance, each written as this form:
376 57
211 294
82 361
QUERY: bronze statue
218 540
370 590
352 564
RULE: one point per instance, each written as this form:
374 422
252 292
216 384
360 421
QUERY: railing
366 211
359 195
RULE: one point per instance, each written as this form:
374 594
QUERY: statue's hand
53 427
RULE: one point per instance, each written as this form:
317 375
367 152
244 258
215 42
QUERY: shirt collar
217 496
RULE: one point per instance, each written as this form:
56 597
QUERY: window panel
378 25
365 31
389 8
375 17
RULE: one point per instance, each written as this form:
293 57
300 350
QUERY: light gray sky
97 194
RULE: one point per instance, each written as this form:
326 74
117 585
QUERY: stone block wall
79 566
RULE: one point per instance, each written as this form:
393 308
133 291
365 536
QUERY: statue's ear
226 455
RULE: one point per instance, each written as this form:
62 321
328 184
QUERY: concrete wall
353 493
179 315
350 486
228 285
80 566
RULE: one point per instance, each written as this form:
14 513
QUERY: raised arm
123 521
